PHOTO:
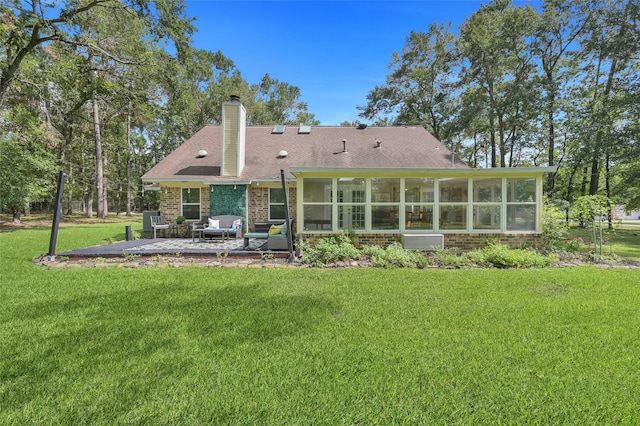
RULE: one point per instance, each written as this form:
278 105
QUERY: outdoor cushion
275 229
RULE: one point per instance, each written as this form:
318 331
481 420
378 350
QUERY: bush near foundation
340 248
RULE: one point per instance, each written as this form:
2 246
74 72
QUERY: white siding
233 137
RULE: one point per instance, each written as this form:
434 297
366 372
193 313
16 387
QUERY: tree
27 25
591 210
495 43
276 102
26 168
604 91
420 89
557 30
92 42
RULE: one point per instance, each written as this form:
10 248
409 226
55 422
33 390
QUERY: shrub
554 225
574 245
395 256
501 256
450 258
340 248
330 250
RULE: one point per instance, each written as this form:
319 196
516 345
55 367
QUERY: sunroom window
487 203
453 203
521 204
317 204
418 203
385 203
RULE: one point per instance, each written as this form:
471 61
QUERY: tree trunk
129 160
551 180
89 206
607 179
100 181
585 180
475 150
118 203
493 142
67 138
503 145
568 197
512 143
594 183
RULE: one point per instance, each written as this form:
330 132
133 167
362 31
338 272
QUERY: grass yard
621 242
196 345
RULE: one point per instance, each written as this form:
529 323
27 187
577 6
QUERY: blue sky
334 51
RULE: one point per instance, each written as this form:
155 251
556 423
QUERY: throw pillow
275 229
214 224
236 224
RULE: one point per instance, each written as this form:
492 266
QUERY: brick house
380 182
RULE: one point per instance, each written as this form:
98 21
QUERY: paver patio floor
165 246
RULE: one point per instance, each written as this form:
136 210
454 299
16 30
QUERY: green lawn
196 345
621 242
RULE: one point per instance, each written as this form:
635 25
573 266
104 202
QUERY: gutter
349 171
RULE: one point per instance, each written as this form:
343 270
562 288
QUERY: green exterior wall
229 199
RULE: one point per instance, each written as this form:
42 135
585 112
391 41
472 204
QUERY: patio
173 246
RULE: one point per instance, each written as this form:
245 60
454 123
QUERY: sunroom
382 204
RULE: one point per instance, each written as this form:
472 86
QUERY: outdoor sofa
276 236
224 226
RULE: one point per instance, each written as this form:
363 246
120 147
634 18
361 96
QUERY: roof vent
344 145
378 144
202 153
283 154
362 126
278 130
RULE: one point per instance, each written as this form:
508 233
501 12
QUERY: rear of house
382 183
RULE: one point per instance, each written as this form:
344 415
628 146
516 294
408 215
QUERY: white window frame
436 206
276 204
183 203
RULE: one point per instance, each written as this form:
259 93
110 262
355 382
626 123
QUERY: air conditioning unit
423 241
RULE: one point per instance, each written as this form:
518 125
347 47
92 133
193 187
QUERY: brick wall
170 201
460 241
259 205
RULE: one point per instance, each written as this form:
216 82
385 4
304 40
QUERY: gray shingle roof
400 147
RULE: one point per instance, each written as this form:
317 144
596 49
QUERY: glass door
351 215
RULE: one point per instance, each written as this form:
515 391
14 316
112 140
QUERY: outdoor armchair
158 222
